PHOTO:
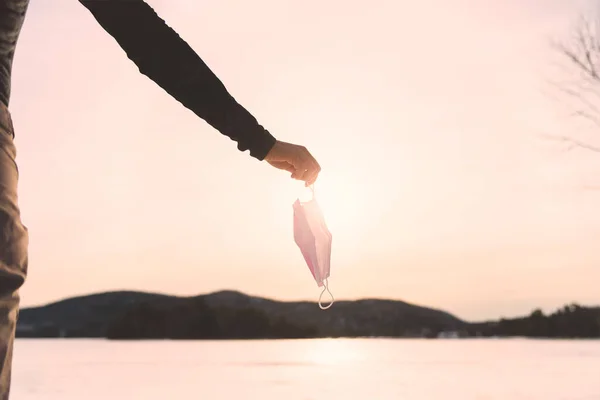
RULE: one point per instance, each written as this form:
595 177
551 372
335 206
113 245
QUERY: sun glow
342 203
333 352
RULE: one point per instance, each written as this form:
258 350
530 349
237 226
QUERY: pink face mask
314 240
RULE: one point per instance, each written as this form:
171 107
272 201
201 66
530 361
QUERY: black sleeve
168 60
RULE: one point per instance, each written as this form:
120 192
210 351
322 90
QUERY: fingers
299 174
307 168
311 168
311 174
295 159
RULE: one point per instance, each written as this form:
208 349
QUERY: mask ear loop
326 286
312 189
326 289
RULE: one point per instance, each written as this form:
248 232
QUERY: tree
537 314
581 51
172 319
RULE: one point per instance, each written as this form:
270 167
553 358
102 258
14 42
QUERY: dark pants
13 249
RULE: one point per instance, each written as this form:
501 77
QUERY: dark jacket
160 54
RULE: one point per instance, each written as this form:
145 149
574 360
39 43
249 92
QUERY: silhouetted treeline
194 319
227 315
570 321
234 315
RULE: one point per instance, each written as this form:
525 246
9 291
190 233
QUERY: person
170 62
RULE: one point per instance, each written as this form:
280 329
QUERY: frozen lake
331 369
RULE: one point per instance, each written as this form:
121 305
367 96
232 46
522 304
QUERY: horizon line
288 301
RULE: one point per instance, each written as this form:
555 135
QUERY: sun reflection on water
333 352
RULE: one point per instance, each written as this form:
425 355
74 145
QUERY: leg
13 250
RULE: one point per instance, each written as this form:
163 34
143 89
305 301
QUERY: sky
426 117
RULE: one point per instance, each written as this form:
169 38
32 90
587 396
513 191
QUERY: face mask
314 240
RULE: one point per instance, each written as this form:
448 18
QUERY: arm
170 62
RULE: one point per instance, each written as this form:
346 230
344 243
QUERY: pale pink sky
425 117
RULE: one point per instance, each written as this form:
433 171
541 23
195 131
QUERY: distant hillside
227 314
570 321
234 315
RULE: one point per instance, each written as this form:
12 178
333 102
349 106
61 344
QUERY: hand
295 159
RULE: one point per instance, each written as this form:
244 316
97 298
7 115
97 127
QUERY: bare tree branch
593 119
573 143
579 96
582 52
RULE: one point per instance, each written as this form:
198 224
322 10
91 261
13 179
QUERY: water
362 369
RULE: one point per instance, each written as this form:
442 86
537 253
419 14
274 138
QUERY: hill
234 315
225 315
570 321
